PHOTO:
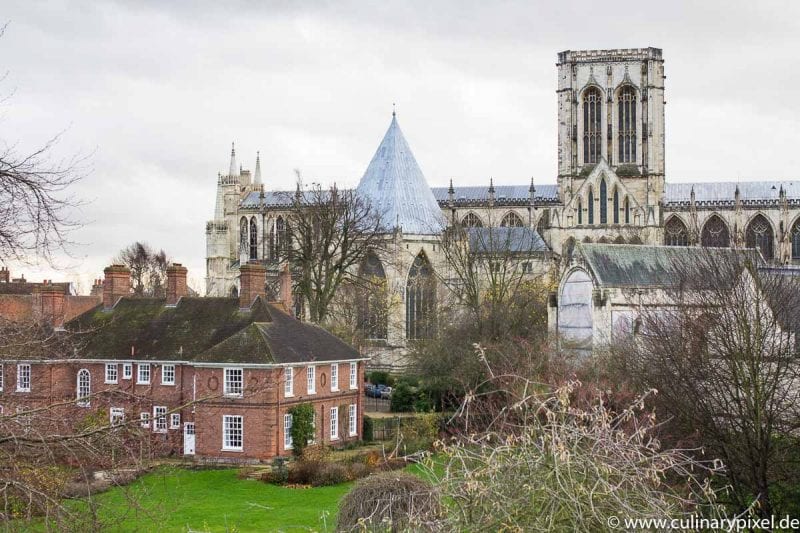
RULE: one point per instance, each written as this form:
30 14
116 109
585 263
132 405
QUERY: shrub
394 501
302 427
403 398
380 377
367 431
329 474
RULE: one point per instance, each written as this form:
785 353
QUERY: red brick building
213 378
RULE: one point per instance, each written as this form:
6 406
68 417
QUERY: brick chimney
5 275
49 303
176 283
285 281
252 279
116 284
97 289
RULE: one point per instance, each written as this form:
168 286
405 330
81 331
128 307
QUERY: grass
172 499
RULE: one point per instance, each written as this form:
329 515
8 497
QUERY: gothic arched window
626 112
715 233
511 220
243 234
544 222
590 201
84 387
603 202
796 240
471 220
615 206
281 238
580 212
420 299
253 238
627 210
675 233
592 125
372 308
759 235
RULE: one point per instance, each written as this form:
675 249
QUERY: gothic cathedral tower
611 108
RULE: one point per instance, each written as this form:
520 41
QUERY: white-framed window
352 421
144 373
144 420
335 377
168 374
84 387
232 432
234 382
127 370
287 432
175 421
23 377
111 372
311 377
159 419
334 423
353 375
1 377
288 382
116 416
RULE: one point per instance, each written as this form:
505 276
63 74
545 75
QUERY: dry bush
389 501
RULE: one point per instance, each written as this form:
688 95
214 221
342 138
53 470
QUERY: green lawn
217 501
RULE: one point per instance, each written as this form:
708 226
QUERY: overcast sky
158 91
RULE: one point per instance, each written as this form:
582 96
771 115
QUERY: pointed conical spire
491 186
233 169
450 189
257 176
396 188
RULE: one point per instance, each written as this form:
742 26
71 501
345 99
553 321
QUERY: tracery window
759 235
372 307
471 220
675 233
603 202
243 234
420 299
511 220
626 113
253 238
715 233
281 238
592 125
615 206
591 206
796 240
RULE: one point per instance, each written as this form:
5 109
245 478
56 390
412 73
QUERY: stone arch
715 233
569 247
471 220
592 134
420 299
760 234
635 240
619 240
511 220
603 201
590 201
615 206
794 237
253 242
602 240
675 232
243 233
575 321
587 239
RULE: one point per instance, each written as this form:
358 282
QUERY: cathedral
611 188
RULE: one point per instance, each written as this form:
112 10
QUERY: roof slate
395 186
505 239
204 330
725 191
632 265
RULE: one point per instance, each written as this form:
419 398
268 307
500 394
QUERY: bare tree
329 233
724 359
148 268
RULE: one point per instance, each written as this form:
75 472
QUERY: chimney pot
49 304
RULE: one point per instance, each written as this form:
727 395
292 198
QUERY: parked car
386 393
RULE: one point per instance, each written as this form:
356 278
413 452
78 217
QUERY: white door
188 438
